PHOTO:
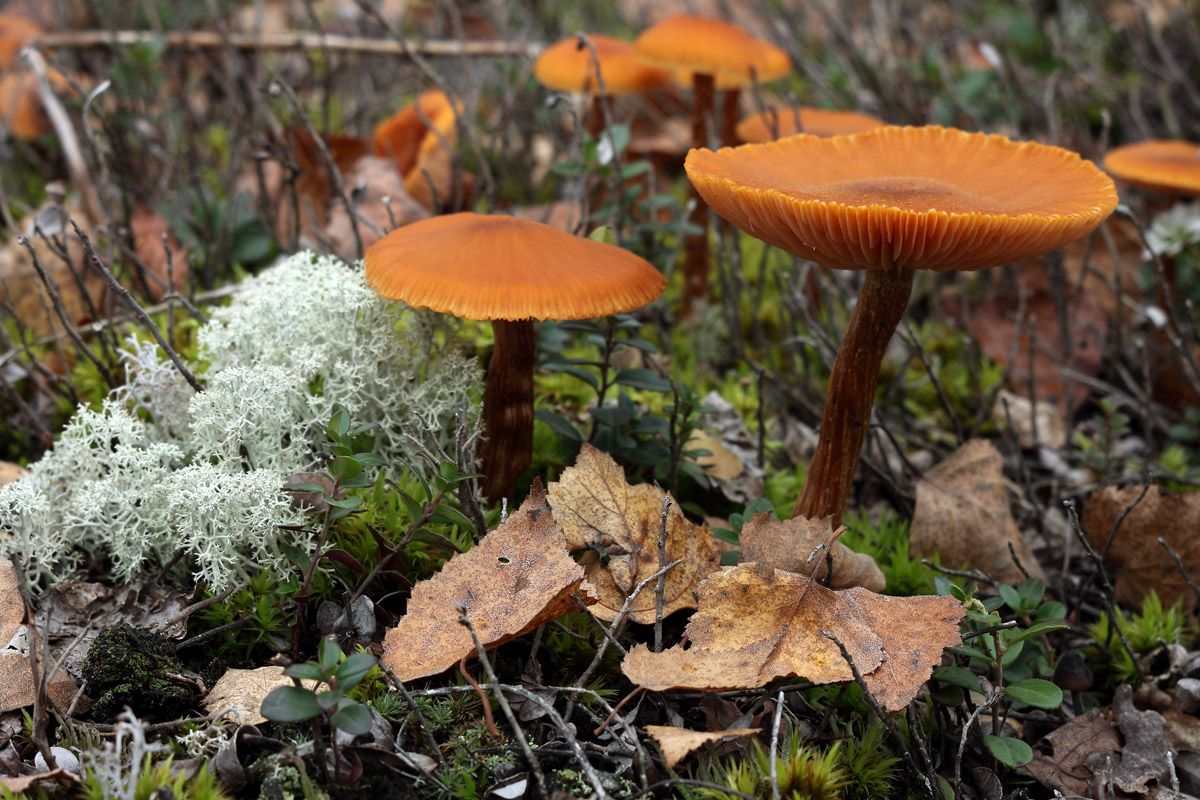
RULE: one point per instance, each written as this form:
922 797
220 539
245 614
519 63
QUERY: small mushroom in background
1073 675
1167 166
891 201
570 66
512 272
776 123
711 51
421 138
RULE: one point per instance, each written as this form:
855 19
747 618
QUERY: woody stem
508 407
695 258
851 393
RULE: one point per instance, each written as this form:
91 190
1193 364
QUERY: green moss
127 666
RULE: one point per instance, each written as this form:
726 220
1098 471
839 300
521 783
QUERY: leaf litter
517 578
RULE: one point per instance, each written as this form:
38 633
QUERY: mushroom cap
817 121
923 198
402 135
567 67
1169 166
490 267
712 47
15 32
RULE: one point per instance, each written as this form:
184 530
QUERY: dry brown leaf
17 688
239 693
1062 758
25 292
719 463
12 608
1020 414
517 578
1041 339
1142 563
676 743
371 179
147 228
788 544
963 515
618 525
22 783
752 627
10 472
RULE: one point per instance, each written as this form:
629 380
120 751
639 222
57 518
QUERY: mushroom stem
851 393
595 123
695 263
729 117
508 407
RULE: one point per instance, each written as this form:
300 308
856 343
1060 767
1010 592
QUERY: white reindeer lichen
160 468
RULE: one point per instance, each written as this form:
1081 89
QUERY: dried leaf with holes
1142 563
517 578
788 544
751 628
238 694
963 515
618 525
676 743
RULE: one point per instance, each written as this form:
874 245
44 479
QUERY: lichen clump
160 468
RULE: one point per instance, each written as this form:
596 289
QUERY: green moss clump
128 666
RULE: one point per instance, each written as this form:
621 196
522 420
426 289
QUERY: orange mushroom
711 51
1168 166
510 271
891 201
21 110
569 66
417 137
776 123
16 31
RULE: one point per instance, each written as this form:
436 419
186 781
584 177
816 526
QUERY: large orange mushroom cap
711 47
1169 166
922 198
490 267
567 67
767 126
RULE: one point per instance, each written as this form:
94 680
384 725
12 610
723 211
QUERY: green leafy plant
298 703
1007 658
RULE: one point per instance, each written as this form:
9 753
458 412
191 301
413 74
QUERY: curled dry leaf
753 627
618 525
239 693
517 578
678 742
1142 563
788 545
147 228
963 515
369 181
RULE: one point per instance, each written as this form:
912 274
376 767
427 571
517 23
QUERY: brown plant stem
508 407
730 103
695 258
851 393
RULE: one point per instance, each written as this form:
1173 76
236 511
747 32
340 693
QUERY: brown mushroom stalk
695 261
730 103
508 406
851 392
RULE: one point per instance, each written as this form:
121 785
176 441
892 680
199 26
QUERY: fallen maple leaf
752 627
1142 563
239 693
517 578
618 525
963 515
678 742
790 545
